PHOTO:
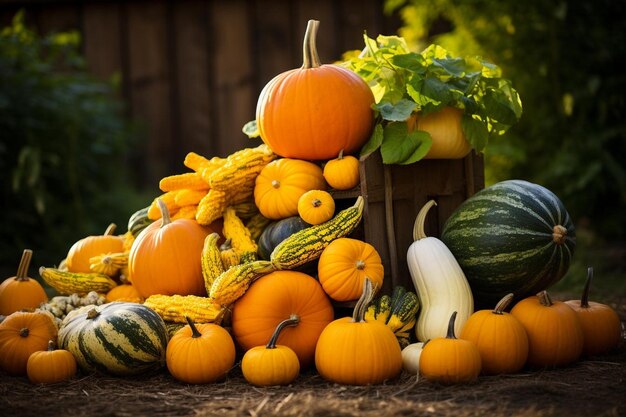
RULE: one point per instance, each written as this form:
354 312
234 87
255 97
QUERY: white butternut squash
439 282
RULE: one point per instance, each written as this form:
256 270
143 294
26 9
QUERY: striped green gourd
308 244
138 221
514 236
118 338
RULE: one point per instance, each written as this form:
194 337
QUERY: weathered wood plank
102 41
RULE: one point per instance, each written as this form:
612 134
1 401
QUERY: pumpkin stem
503 303
340 156
584 300
51 345
450 334
358 315
559 233
22 269
275 184
110 230
24 332
92 314
360 265
165 213
316 203
544 298
194 330
310 57
293 320
418 226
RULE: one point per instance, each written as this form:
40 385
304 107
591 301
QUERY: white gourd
411 357
439 281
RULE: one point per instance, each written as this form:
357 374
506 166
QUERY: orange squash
50 366
124 292
315 111
282 182
342 173
602 328
165 257
274 298
444 127
316 207
82 251
21 292
343 266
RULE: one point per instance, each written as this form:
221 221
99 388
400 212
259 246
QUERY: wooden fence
192 70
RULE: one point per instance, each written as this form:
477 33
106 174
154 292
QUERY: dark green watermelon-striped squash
514 236
138 221
117 338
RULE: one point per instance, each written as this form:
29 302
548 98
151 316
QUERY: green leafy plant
63 139
406 82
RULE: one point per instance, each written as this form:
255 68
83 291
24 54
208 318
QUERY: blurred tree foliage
564 58
62 143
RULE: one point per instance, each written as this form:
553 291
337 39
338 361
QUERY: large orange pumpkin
82 251
282 182
274 298
165 257
315 111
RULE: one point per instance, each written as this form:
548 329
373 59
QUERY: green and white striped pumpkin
118 338
514 236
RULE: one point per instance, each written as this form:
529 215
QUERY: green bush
63 140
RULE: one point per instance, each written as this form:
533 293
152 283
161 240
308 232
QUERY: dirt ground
591 387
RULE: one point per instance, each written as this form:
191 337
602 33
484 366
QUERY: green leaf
251 129
436 90
476 132
453 66
411 61
374 141
396 112
403 147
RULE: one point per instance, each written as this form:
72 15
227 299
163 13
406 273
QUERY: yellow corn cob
189 197
256 225
239 236
198 162
211 207
169 198
211 261
234 282
66 283
174 308
186 212
188 180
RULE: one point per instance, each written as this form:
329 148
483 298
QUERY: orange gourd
500 337
274 298
272 364
602 328
444 127
282 182
124 292
555 336
82 251
355 352
449 360
316 207
165 257
342 173
50 366
21 334
315 111
200 353
343 266
21 292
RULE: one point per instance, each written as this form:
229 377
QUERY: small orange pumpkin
282 182
316 207
200 353
124 292
21 334
555 336
449 360
500 337
50 366
21 292
315 111
342 173
165 257
272 364
343 266
82 251
602 328
444 127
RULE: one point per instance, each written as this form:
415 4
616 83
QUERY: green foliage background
564 59
63 137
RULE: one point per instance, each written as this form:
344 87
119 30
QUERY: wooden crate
395 193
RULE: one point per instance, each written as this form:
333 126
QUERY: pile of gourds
225 257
